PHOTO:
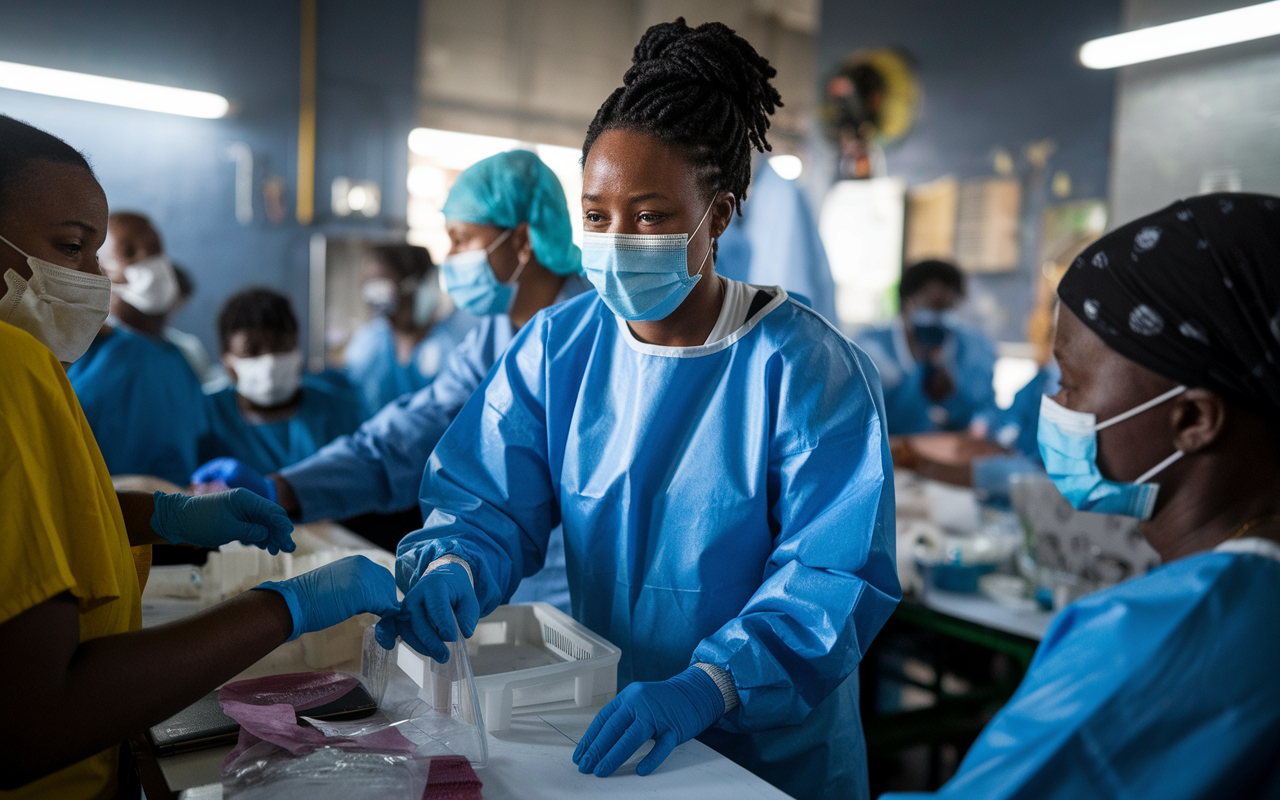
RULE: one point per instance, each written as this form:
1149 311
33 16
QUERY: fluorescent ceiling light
1187 36
112 91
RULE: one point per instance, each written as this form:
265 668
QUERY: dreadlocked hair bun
705 89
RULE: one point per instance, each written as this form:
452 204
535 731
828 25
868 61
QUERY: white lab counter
985 611
534 759
531 760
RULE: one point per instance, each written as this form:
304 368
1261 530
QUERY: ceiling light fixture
112 91
1188 36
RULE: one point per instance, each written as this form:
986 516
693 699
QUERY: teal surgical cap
514 187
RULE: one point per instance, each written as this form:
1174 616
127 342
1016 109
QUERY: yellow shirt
61 529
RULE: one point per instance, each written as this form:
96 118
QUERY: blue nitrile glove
425 621
671 711
335 593
236 475
210 520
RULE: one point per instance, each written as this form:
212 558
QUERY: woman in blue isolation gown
714 451
1163 686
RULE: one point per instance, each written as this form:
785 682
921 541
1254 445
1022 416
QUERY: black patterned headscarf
1191 292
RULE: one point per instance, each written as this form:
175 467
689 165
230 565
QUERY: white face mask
61 307
151 285
268 380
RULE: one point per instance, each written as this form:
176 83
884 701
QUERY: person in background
1016 428
937 372
1169 411
714 451
137 390
511 255
405 345
211 374
775 242
83 678
272 415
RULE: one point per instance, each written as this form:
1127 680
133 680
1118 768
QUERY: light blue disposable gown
730 504
775 243
324 414
970 359
1164 686
143 403
371 365
379 468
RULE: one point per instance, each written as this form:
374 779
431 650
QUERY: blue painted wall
995 73
174 168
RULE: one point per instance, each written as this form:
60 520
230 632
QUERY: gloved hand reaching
671 711
426 618
336 592
235 474
210 520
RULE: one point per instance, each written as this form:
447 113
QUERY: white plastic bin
531 658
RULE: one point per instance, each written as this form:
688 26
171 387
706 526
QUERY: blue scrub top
143 403
1164 686
370 358
970 359
775 243
324 414
718 503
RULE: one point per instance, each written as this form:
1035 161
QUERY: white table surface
533 760
985 611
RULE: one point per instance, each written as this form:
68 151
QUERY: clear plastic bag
383 756
266 771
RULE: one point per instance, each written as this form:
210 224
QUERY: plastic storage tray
531 658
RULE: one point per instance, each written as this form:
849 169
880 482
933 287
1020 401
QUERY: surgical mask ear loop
1133 412
496 243
515 276
710 247
1136 410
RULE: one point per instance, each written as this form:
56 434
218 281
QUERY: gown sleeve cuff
724 682
450 558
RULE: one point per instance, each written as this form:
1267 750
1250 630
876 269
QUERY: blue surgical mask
641 277
931 327
473 285
1069 446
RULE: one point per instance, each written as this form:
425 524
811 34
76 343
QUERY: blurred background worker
775 242
512 254
937 372
210 372
137 390
272 415
406 344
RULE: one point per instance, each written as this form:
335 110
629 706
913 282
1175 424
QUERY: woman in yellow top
80 676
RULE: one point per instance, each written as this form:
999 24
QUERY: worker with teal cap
511 255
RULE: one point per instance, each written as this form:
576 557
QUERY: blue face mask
472 284
931 327
1069 446
641 277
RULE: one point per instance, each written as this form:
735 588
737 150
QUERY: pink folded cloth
452 778
267 710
